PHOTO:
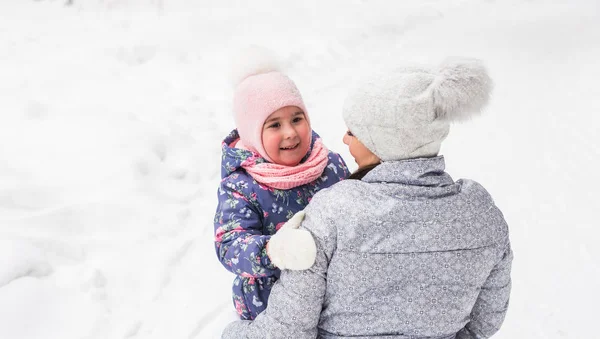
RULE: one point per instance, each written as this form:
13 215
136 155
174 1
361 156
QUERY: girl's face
286 136
361 154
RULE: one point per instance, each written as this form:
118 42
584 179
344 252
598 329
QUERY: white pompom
250 61
461 89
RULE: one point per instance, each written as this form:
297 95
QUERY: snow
112 113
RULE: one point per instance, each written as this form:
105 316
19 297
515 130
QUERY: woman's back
412 251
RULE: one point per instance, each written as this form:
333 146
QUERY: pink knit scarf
286 177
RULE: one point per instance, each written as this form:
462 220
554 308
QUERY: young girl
272 165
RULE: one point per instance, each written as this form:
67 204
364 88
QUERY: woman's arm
297 298
491 305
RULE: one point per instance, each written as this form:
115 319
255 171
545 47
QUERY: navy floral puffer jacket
248 214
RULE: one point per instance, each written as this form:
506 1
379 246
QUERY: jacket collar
428 172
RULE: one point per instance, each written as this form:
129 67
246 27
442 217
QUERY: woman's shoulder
337 194
475 189
485 206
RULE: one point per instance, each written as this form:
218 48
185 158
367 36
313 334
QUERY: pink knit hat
261 90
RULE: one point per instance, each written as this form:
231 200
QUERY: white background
111 118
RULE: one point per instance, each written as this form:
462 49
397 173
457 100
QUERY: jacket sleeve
239 241
491 305
296 298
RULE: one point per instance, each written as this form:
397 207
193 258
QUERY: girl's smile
290 148
286 136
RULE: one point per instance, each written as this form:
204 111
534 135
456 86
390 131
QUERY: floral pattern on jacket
248 213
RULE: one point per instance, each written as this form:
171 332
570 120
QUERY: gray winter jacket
406 252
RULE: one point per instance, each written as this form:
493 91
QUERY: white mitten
291 248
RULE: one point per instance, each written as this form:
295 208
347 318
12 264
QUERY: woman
404 251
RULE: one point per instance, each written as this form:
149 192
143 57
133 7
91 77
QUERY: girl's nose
289 132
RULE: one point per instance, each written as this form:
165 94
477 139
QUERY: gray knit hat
406 113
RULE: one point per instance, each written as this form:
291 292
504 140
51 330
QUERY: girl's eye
275 125
350 134
297 119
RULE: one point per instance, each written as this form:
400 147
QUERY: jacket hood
233 157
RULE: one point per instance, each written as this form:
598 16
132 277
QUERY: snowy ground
112 112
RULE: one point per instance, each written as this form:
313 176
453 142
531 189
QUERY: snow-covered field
112 112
